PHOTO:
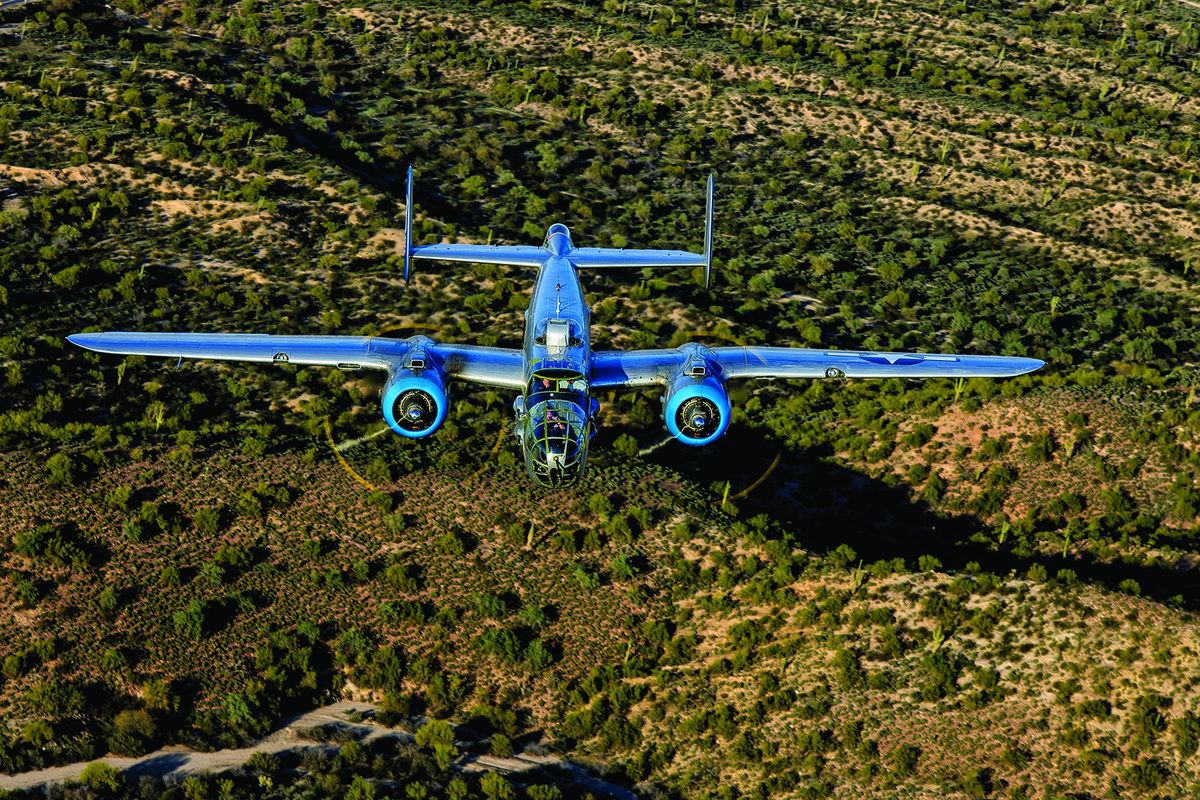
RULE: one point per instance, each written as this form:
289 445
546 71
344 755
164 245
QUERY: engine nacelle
415 402
696 409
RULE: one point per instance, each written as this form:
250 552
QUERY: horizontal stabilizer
517 255
557 245
604 257
601 257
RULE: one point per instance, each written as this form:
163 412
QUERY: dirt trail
176 761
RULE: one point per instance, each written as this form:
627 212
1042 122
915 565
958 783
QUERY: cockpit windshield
559 383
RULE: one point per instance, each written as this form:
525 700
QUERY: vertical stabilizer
408 217
708 234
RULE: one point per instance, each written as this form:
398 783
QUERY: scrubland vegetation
981 589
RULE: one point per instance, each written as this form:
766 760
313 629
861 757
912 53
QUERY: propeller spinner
415 410
698 417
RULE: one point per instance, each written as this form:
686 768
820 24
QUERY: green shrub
61 470
58 544
101 777
501 745
1147 775
1186 730
904 759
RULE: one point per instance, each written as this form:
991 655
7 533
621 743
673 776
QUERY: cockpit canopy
559 382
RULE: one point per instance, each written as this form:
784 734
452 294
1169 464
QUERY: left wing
345 351
487 366
635 368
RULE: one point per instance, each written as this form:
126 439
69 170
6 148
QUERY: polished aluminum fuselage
557 304
557 295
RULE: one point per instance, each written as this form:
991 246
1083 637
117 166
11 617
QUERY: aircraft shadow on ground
159 766
826 505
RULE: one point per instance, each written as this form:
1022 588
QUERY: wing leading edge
257 347
486 366
649 367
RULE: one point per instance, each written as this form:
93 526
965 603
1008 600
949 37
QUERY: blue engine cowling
415 402
696 410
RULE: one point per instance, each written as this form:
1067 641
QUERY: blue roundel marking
707 390
906 360
425 383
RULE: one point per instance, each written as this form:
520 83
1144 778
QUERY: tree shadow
337 732
826 504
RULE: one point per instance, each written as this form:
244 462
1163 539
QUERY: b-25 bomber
556 371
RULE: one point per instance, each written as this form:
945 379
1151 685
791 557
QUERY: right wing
797 362
635 368
487 366
502 367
